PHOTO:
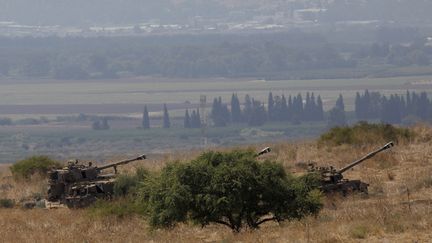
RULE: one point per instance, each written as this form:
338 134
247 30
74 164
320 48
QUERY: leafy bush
365 133
232 189
33 165
127 184
120 207
6 203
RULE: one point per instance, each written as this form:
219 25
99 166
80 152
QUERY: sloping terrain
397 209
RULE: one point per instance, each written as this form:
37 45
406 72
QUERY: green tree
146 118
220 113
259 115
195 119
337 114
166 118
271 107
187 120
232 189
320 109
247 110
101 124
236 115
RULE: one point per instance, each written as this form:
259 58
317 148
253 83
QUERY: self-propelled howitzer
332 179
78 185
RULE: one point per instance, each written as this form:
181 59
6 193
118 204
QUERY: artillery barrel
263 151
368 156
142 157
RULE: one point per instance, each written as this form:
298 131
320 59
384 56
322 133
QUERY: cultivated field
65 139
77 140
173 91
397 209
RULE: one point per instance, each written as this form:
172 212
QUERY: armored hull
345 187
80 185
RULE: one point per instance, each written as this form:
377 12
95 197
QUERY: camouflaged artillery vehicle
332 180
78 185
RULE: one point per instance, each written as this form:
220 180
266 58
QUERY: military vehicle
78 185
332 180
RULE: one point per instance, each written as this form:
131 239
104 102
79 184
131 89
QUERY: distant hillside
87 12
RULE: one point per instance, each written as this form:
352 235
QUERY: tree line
293 109
142 57
393 109
253 112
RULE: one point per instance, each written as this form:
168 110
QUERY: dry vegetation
398 208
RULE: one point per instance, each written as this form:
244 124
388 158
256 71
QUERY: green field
172 91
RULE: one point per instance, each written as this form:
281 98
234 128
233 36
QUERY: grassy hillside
397 208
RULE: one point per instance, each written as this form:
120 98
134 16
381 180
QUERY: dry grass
385 215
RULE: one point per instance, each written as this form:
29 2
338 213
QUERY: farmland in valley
125 99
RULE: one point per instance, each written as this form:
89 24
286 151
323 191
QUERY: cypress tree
235 109
385 112
358 106
314 108
307 108
220 113
258 115
187 120
193 119
146 119
215 112
403 104
284 109
166 119
247 111
409 107
197 121
339 103
297 109
290 109
105 125
270 108
320 109
423 105
337 114
367 106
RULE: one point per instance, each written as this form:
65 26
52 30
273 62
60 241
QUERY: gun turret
368 156
123 162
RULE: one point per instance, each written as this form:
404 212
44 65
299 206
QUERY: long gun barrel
263 151
368 156
114 165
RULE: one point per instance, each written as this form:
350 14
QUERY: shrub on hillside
124 202
127 184
6 203
233 189
120 207
33 165
365 133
